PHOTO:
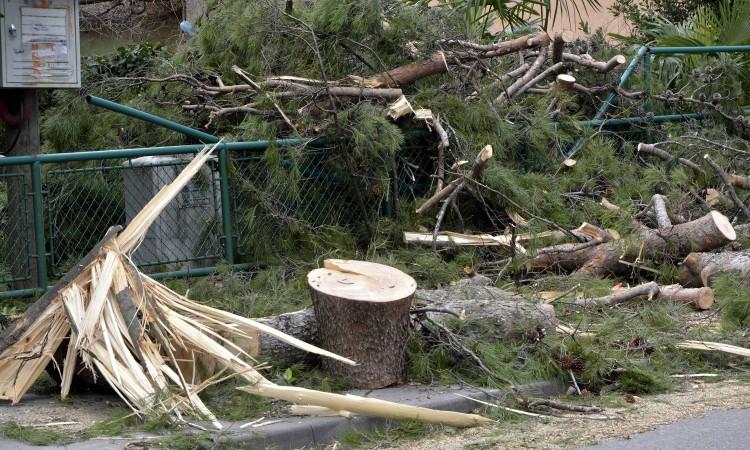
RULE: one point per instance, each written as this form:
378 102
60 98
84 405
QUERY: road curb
297 432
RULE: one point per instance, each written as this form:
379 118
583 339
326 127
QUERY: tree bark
363 312
706 233
698 298
697 269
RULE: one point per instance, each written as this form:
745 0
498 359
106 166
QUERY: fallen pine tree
130 329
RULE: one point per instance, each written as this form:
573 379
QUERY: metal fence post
226 210
41 254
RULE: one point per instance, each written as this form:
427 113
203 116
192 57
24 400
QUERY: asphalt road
726 430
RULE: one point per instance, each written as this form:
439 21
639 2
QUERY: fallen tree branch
588 61
698 298
653 150
476 173
440 61
533 71
706 233
660 210
728 184
714 347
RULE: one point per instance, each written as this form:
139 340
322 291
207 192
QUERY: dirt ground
49 412
694 399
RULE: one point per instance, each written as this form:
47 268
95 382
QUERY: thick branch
698 298
476 174
588 61
698 269
728 184
439 62
653 150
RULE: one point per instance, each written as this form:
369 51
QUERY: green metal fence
63 203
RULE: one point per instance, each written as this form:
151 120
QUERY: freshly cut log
698 298
706 233
697 269
508 314
363 312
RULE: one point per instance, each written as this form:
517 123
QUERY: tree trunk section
698 268
511 317
363 313
706 233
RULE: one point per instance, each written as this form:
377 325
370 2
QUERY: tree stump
363 313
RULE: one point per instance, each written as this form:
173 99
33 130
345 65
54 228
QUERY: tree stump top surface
361 281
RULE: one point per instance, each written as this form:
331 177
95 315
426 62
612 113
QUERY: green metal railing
645 55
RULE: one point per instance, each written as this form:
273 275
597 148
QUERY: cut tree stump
363 312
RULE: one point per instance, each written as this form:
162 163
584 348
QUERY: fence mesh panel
82 203
15 229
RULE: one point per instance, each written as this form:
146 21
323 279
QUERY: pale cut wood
715 347
565 82
660 209
365 405
399 108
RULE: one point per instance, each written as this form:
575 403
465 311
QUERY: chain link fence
268 189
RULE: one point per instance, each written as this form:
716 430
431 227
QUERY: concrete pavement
725 430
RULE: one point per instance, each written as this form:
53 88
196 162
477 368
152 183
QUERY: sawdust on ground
694 399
